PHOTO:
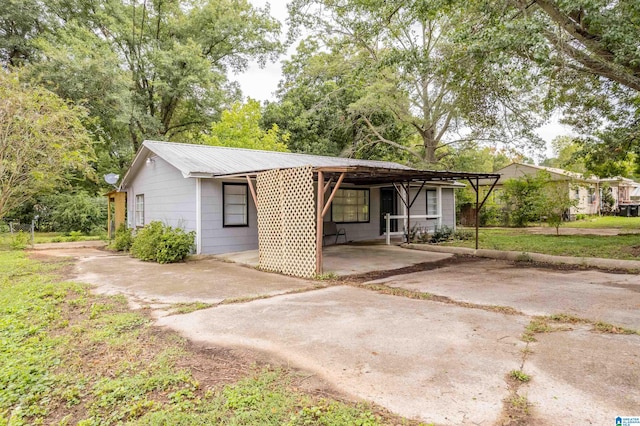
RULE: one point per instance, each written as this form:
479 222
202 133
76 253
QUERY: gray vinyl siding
420 208
168 196
448 208
215 237
364 230
371 230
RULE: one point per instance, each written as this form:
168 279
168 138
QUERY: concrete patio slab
349 259
436 362
581 377
202 280
595 295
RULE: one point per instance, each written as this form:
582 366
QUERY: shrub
441 234
524 198
74 236
175 245
123 239
147 240
463 235
491 215
20 240
163 244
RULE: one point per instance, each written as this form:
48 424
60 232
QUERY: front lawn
70 357
612 247
617 222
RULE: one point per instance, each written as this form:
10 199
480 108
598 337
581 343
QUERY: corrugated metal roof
220 161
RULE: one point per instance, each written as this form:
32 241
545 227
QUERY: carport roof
214 161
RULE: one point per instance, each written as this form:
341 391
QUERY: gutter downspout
198 216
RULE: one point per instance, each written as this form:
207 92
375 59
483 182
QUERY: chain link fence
17 235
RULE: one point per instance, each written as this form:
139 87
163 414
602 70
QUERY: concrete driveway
350 259
613 298
448 363
439 363
445 361
205 280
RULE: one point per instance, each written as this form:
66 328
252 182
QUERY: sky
261 83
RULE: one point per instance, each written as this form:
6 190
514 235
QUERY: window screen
236 207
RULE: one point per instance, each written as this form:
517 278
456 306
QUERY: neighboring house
623 190
587 190
212 190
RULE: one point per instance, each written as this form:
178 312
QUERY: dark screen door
389 205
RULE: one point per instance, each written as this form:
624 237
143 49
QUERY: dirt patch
419 267
633 250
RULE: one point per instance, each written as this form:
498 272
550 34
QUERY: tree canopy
416 68
587 50
239 127
42 142
156 69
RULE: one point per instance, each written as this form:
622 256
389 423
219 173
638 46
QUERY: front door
388 204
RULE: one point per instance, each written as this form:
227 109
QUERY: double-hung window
139 213
432 202
350 206
235 204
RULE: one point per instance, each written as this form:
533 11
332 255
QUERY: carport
285 198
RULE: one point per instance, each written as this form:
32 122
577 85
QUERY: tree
588 53
239 127
566 155
524 198
557 202
169 58
42 140
315 105
420 72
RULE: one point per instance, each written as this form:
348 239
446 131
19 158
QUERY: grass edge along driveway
71 357
624 246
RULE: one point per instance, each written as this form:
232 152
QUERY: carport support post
320 205
407 190
477 188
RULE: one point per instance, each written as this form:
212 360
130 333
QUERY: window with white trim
139 213
432 202
350 206
235 204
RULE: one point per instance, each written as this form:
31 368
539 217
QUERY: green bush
77 212
175 245
441 234
74 236
163 244
123 239
147 240
20 240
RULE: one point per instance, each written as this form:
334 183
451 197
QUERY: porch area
355 258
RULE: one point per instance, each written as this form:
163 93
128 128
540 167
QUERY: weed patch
563 322
520 376
187 308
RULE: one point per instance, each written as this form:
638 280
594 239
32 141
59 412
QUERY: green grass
57 237
605 222
611 247
70 357
7 240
